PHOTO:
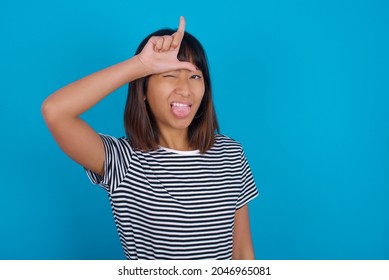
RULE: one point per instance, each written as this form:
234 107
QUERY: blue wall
303 85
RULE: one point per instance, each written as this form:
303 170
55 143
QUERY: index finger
179 34
181 27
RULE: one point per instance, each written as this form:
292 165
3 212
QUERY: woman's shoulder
116 142
112 138
225 141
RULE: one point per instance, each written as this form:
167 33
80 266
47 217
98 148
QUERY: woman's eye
168 76
196 77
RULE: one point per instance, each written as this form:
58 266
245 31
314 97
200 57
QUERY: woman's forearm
78 97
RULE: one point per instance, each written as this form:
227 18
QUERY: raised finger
181 27
179 34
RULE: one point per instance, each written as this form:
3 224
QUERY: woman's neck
176 140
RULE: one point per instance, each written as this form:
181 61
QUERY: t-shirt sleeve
117 157
248 190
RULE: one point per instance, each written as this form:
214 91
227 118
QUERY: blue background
303 85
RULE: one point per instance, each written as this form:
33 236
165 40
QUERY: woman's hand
160 53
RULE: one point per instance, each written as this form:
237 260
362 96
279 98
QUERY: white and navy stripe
171 204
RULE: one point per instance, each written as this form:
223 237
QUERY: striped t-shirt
170 204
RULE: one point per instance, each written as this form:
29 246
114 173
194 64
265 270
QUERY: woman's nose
182 87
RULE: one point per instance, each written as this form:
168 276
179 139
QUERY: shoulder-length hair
139 122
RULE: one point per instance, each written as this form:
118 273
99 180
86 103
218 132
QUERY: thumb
186 65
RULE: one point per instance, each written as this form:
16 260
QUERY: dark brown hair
139 122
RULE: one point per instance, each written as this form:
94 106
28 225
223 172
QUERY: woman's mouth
180 109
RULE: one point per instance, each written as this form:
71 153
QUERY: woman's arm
62 109
242 248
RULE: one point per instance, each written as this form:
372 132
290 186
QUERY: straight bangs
193 54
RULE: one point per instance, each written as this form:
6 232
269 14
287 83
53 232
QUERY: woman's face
174 98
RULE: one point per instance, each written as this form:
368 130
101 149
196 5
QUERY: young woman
178 189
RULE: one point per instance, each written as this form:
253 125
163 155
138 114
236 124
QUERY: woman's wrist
142 66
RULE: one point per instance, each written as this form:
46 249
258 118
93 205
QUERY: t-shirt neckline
187 153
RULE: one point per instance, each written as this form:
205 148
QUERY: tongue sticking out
180 110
